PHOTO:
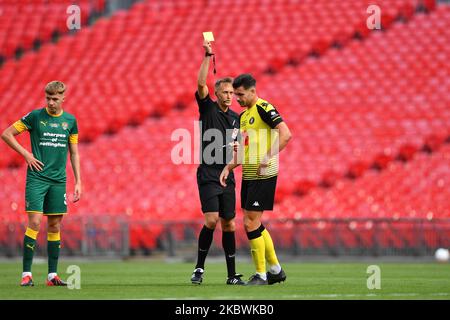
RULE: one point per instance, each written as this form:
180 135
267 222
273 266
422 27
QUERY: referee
218 203
264 135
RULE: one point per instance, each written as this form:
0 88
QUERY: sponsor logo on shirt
273 115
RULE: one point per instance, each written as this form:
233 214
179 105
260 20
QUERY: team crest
64 125
251 120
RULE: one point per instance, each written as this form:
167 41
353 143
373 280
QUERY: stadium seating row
114 68
371 105
24 22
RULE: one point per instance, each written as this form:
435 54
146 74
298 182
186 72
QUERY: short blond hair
55 87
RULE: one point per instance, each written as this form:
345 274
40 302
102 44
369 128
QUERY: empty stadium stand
369 111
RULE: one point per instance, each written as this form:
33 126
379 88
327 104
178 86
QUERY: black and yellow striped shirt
258 135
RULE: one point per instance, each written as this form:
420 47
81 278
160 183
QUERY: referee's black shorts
258 195
214 197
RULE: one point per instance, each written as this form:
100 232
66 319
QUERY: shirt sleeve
20 126
26 123
269 115
203 104
73 133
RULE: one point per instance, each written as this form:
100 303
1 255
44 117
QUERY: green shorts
45 197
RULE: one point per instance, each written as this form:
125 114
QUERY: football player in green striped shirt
53 132
264 134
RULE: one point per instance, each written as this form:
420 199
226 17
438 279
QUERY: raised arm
203 72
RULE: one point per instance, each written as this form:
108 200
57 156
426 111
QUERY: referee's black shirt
212 117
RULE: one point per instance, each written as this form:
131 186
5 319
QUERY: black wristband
213 59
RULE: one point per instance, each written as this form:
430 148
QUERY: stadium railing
118 237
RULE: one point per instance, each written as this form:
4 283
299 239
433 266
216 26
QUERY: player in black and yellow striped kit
263 135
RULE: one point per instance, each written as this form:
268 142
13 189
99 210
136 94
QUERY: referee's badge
252 119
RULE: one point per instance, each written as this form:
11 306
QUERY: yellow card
208 36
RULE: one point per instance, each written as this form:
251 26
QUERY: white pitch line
297 296
351 295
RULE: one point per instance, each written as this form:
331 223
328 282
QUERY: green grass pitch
164 280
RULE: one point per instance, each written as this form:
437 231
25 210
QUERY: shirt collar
53 115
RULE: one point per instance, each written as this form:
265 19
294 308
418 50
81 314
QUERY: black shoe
197 276
236 280
274 278
256 280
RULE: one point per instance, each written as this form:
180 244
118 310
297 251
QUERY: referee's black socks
229 246
204 243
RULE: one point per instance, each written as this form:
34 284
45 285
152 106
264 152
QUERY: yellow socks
257 246
271 256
